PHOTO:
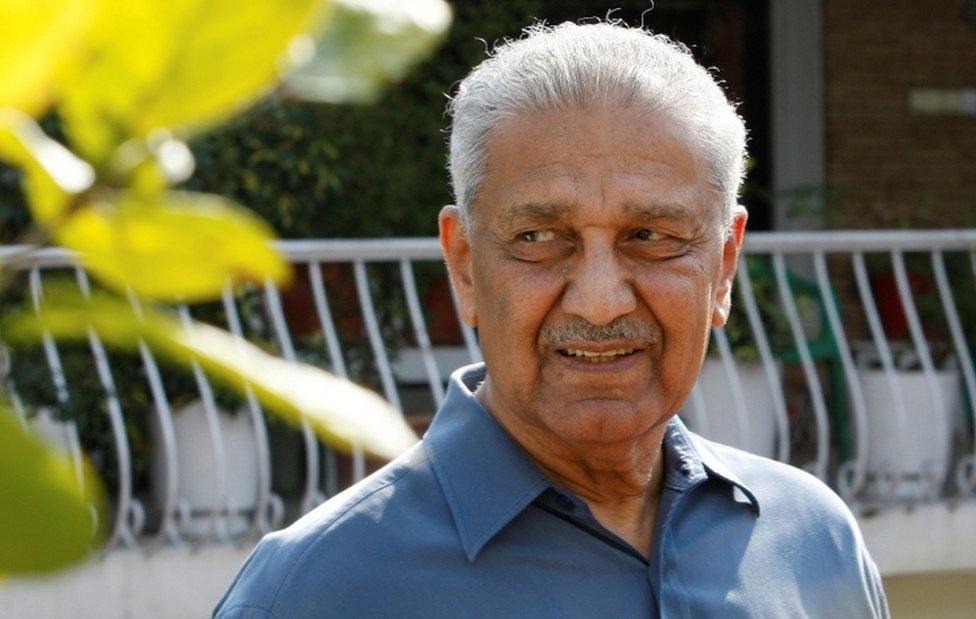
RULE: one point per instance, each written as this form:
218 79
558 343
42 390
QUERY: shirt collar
488 479
696 458
485 475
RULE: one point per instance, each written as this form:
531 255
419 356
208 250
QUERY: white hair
582 66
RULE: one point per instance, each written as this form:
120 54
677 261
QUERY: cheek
680 299
513 299
679 295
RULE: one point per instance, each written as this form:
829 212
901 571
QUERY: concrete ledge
168 583
924 539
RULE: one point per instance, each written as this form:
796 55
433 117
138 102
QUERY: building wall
887 166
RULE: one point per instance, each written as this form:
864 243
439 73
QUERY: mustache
578 330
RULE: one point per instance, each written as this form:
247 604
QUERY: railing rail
819 393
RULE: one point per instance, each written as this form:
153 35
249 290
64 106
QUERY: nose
599 289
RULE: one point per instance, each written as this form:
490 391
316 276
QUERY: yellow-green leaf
179 63
173 247
40 40
148 167
340 411
47 521
368 44
52 174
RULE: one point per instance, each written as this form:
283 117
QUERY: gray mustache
579 331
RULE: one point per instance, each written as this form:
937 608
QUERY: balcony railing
850 356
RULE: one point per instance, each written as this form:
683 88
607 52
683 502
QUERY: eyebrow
657 210
535 212
545 212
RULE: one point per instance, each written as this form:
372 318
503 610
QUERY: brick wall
886 166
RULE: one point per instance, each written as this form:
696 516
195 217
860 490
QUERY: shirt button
565 502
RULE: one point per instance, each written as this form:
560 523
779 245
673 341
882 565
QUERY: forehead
601 162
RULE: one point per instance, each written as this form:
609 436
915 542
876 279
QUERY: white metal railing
799 421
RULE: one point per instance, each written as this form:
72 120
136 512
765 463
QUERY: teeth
599 356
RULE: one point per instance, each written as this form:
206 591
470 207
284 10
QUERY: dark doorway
731 36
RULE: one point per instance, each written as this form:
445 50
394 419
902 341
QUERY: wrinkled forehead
546 165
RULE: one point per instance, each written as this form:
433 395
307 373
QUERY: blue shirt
465 525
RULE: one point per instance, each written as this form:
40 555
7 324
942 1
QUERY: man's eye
645 234
537 236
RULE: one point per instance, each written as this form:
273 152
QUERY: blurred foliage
40 493
312 171
128 83
348 416
364 171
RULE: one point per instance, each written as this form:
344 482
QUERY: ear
456 246
730 261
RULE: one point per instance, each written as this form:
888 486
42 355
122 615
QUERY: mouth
589 355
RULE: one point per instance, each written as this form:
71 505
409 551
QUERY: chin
605 421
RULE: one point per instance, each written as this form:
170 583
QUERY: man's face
596 262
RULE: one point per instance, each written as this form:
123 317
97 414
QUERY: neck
621 482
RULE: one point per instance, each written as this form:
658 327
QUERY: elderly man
593 245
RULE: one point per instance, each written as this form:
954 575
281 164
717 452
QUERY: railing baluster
768 361
18 405
420 331
135 509
220 513
925 357
698 406
121 531
50 348
735 385
375 337
860 463
313 496
168 529
324 313
809 369
78 463
968 483
884 352
263 521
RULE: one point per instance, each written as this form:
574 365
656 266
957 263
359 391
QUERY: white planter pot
915 454
721 422
197 467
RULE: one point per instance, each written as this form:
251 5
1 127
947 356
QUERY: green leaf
40 42
370 43
173 247
52 174
47 521
340 411
148 167
179 64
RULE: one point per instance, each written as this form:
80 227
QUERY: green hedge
339 171
346 171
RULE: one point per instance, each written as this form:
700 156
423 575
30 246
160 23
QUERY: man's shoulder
805 529
783 490
341 541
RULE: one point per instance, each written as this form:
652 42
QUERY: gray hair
583 66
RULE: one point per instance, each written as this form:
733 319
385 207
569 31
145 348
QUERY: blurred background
850 353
